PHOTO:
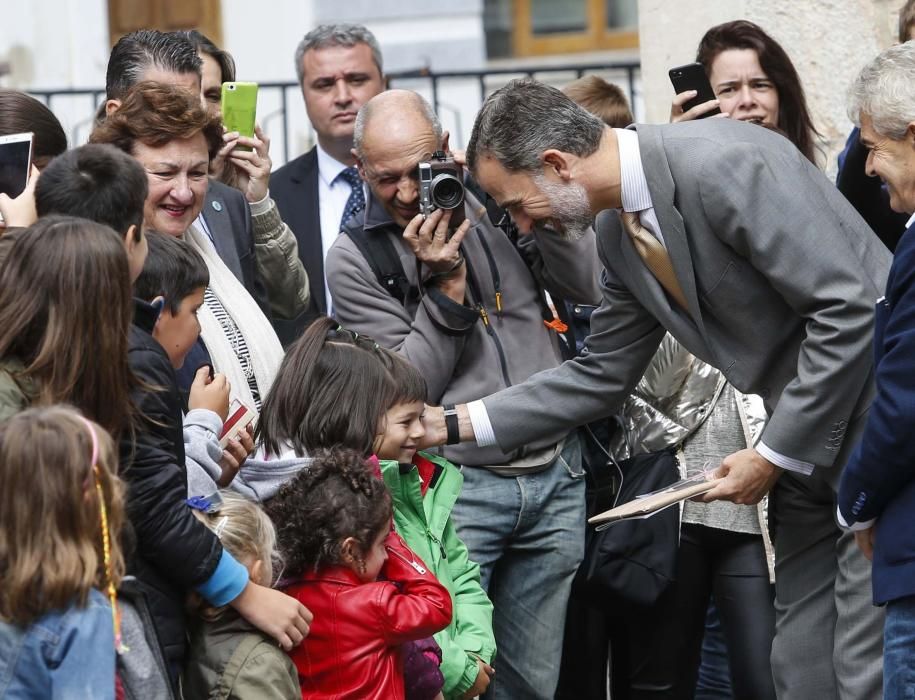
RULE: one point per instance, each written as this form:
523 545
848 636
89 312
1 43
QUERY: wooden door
126 16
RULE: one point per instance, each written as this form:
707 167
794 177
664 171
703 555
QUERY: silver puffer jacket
673 398
675 395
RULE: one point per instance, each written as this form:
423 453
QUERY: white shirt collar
911 221
634 190
328 166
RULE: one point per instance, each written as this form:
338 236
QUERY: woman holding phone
171 135
753 80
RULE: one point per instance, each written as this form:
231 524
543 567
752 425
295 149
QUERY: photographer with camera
467 308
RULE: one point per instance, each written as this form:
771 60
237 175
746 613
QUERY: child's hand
274 613
234 456
484 674
212 394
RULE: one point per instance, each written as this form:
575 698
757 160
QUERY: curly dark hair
335 497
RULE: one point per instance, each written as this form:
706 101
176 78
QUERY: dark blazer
228 217
780 274
294 188
879 480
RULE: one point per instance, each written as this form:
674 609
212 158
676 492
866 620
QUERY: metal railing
456 95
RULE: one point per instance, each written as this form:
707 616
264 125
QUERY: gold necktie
655 257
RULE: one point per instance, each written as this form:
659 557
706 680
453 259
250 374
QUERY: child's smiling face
400 431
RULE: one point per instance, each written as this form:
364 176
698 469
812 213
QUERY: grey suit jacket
780 273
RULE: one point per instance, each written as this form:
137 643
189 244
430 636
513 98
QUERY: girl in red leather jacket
333 522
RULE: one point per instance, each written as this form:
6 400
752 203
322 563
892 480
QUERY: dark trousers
655 651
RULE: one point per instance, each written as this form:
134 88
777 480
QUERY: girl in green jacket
424 489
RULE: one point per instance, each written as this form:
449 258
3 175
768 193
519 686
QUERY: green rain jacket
425 523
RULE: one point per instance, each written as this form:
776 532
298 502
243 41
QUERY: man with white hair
877 491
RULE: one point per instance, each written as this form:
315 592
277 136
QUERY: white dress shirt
333 194
636 197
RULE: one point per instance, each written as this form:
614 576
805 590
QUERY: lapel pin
217 206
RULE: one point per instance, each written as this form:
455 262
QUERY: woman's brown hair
793 116
65 313
331 390
51 544
155 114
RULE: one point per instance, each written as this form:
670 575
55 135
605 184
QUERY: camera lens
447 191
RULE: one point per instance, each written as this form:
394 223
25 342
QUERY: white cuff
261 206
780 460
482 428
866 525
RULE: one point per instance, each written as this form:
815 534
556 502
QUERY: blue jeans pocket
570 457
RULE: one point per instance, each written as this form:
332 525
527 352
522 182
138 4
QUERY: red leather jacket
352 651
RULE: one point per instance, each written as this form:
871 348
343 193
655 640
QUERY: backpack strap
378 250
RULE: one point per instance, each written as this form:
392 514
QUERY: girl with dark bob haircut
793 116
317 401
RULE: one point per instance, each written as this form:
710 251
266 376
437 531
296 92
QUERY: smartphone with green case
239 108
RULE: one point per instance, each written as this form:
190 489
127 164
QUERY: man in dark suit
339 68
723 234
877 492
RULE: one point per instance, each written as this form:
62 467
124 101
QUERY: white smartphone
15 162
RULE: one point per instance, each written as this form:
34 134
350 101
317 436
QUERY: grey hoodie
259 478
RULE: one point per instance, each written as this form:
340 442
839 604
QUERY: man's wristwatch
452 425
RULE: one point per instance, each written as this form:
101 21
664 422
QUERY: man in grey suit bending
723 234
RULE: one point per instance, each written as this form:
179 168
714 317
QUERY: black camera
441 186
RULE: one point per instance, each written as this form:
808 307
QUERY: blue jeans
899 650
714 681
527 534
